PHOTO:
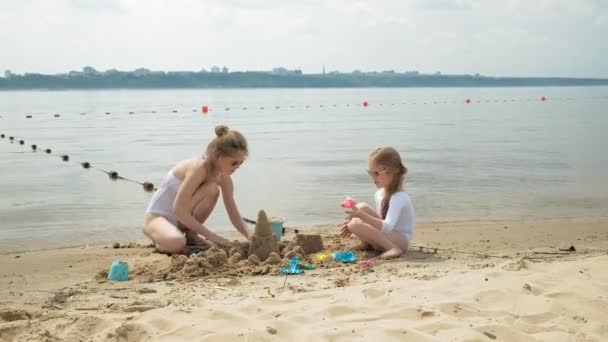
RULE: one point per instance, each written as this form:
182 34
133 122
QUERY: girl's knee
355 224
172 244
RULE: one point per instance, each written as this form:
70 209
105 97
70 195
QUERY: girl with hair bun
177 212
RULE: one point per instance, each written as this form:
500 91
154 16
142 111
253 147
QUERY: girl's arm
183 206
367 218
388 224
231 208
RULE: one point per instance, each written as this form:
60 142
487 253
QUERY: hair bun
221 130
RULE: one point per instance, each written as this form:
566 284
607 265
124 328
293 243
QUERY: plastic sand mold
293 267
367 264
119 271
345 257
306 267
322 256
348 203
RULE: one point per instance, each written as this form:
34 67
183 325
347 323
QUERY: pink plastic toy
367 264
348 203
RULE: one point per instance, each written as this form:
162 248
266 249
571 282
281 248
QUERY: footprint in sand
411 313
12 315
435 328
132 332
143 306
374 293
460 310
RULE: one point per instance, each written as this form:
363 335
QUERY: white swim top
400 216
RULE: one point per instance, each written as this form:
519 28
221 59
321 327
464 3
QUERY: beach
514 281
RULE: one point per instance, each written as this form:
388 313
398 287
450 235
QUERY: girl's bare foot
391 253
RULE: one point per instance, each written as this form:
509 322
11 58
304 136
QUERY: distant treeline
270 80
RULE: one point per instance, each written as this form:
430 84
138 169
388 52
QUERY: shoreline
323 227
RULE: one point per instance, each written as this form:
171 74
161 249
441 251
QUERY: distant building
215 68
279 71
203 70
284 71
356 72
224 70
89 70
390 72
179 73
141 72
8 74
411 73
438 73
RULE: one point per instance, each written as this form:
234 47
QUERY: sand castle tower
263 241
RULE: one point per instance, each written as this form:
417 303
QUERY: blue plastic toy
305 266
345 257
293 267
119 271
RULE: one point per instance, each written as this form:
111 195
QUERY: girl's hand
344 231
221 241
354 212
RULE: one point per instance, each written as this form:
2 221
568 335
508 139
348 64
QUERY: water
507 155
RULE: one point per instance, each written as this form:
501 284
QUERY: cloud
445 5
95 6
508 37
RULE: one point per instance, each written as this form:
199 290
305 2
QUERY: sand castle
263 241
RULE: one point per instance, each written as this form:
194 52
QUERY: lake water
505 155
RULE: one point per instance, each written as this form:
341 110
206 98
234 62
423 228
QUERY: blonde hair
391 160
226 143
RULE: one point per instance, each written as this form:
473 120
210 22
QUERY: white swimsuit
162 201
400 216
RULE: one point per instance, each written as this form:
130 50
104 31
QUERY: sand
539 291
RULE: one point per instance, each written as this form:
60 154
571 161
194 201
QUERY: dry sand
537 293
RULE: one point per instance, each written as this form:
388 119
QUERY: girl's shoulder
379 193
402 195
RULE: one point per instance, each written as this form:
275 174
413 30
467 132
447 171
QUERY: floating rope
113 175
364 104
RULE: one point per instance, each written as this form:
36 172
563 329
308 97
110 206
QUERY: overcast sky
490 37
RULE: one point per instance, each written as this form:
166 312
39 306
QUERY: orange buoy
205 109
365 104
468 101
543 98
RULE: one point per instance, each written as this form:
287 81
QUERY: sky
497 38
